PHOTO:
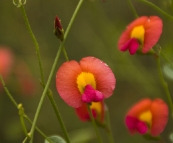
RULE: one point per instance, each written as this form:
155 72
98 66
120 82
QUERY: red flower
147 116
142 34
90 80
97 109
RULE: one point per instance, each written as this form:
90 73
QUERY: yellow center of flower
84 79
138 33
146 117
97 106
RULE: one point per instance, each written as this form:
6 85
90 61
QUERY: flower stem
164 84
65 54
17 106
34 40
53 69
42 75
132 7
109 127
157 8
94 124
7 92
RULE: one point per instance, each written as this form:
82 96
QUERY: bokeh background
95 32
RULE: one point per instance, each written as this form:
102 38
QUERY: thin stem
41 133
65 54
132 7
109 126
7 92
42 76
59 117
164 84
15 103
53 68
157 8
94 124
34 40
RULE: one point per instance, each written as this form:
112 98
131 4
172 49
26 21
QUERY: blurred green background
95 32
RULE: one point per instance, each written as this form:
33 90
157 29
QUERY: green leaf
55 139
168 71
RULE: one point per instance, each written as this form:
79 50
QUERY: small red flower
97 109
142 34
147 116
90 80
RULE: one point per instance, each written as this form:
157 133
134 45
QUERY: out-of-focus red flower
25 79
90 80
147 117
97 109
6 62
141 35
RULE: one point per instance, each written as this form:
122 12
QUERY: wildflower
58 31
90 80
147 117
141 35
97 109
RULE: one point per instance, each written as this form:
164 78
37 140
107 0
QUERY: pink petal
153 30
131 122
142 127
105 80
66 83
134 45
160 112
91 95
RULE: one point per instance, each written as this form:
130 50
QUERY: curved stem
132 7
53 68
157 8
94 124
7 92
17 106
109 126
65 54
164 84
34 40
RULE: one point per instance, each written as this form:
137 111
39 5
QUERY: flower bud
58 31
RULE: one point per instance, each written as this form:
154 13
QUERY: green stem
15 103
132 7
65 54
7 92
157 8
59 117
164 84
53 68
42 75
34 40
94 124
109 127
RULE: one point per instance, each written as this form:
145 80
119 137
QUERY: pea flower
97 109
147 117
90 80
141 35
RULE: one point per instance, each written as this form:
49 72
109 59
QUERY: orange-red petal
153 30
126 35
66 83
160 112
105 80
139 107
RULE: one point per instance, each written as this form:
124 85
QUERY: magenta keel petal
142 127
134 44
91 95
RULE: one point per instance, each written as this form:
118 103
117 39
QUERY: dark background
95 32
